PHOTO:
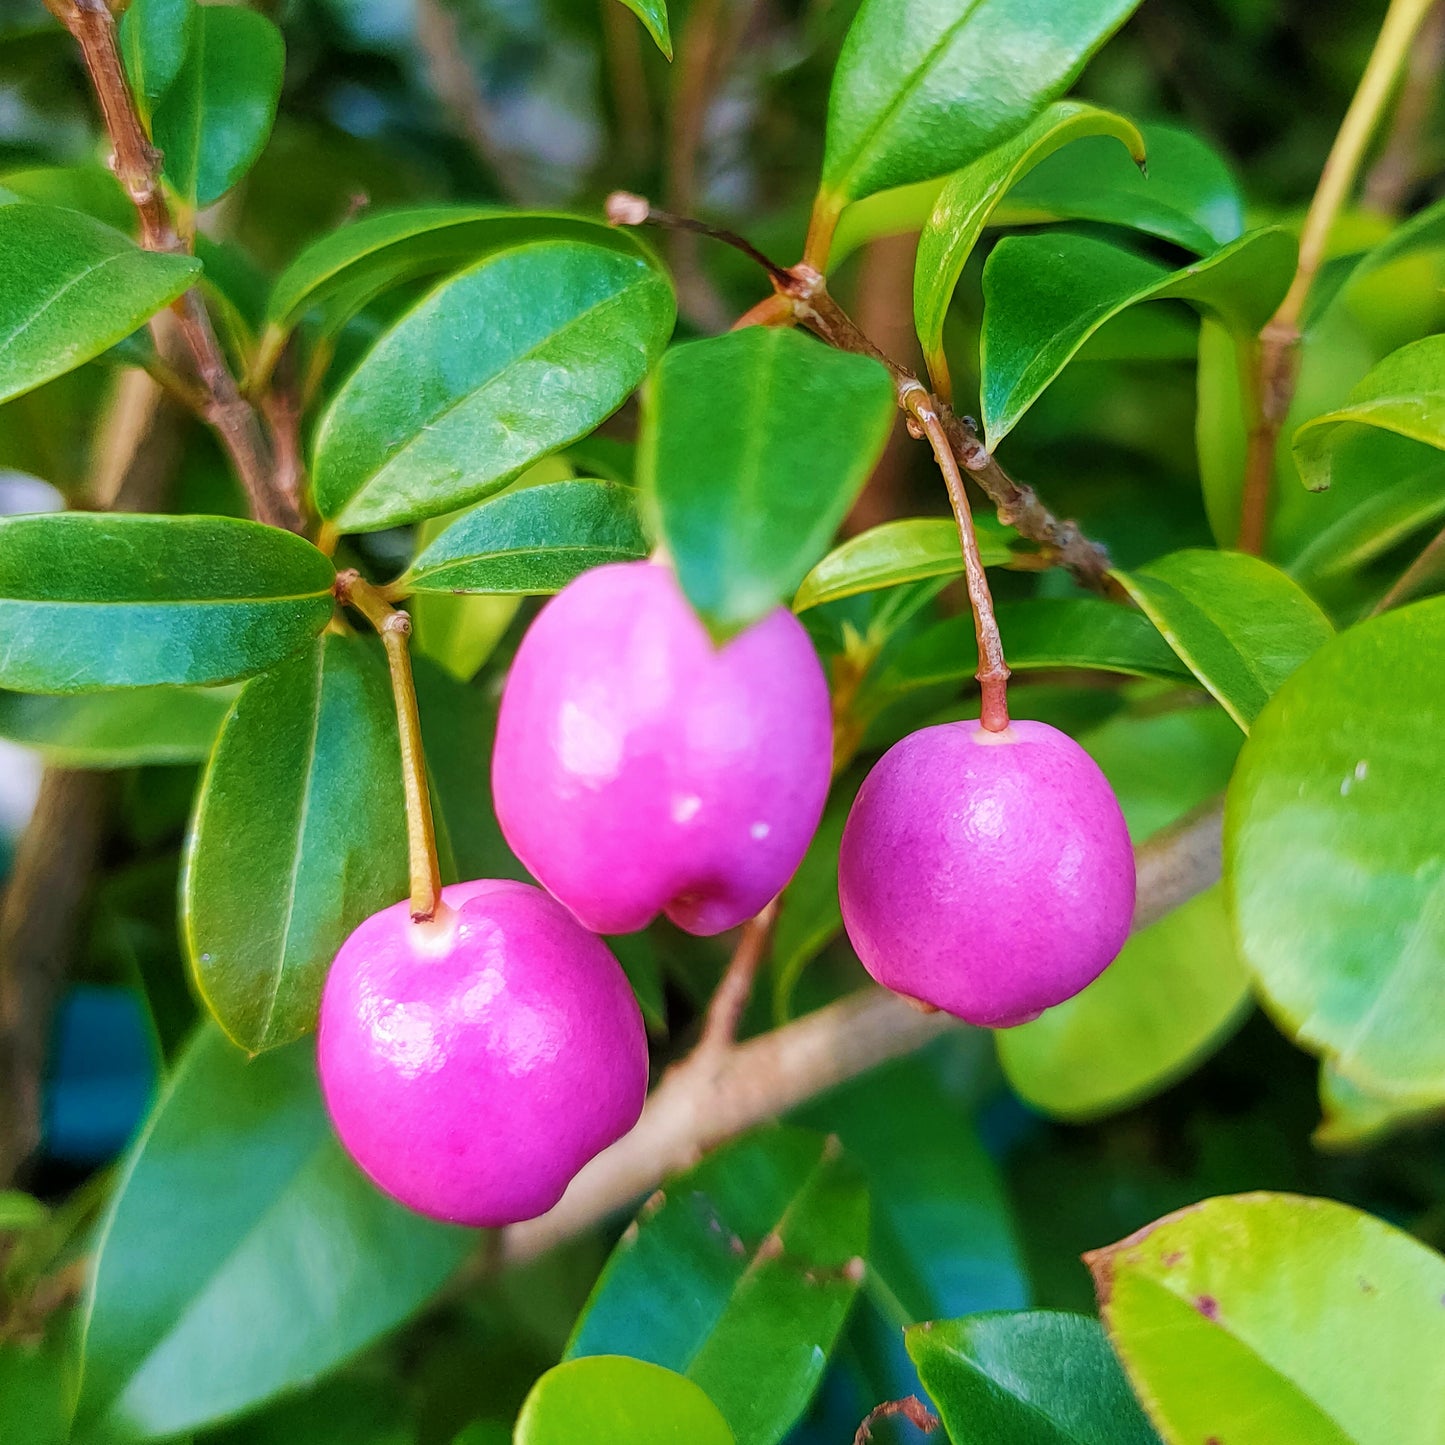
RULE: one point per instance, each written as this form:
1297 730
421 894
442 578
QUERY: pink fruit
641 769
474 1064
987 874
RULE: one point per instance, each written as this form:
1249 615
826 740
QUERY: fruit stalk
993 671
394 629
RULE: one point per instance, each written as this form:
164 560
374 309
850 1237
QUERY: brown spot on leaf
1365 1286
1175 1256
1207 1305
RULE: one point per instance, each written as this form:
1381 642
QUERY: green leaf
91 601
1404 394
1188 196
968 199
502 364
1168 999
1046 295
1273 1317
237 1204
897 552
155 36
1241 625
613 1400
1424 231
20 1211
923 87
216 116
1335 858
117 729
531 541
739 1275
69 288
1356 1117
88 187
754 445
653 14
1038 1377
299 834
34 1395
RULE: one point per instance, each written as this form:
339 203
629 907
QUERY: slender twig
1277 365
623 208
1390 179
394 629
993 673
911 1409
730 998
1414 576
136 164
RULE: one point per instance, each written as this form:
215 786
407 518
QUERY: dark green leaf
216 115
1041 1377
897 552
653 14
91 601
117 729
510 360
923 87
1046 295
1335 853
154 38
968 199
1273 1317
739 1275
532 540
237 1204
69 288
754 445
1241 625
613 1400
34 1389
299 834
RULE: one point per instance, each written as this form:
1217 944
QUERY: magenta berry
641 769
474 1064
987 874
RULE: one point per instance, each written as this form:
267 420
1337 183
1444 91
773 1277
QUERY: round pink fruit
987 874
641 769
474 1064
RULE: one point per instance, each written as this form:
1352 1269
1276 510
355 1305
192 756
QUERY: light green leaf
1039 1377
1335 857
531 541
653 14
216 116
117 729
299 834
20 1211
792 428
613 1400
968 199
1274 1317
92 601
739 1275
1046 295
69 288
508 361
1240 624
1404 394
154 38
238 1188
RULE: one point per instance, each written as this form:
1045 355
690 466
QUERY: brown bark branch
730 998
1389 181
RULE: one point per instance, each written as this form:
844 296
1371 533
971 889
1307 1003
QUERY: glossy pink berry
641 769
473 1065
987 874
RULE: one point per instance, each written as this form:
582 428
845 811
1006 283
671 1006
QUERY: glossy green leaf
1046 295
739 1275
91 188
968 199
613 1400
216 117
69 288
1335 858
792 429
154 38
299 834
653 14
897 552
1404 394
1240 624
532 541
502 364
237 1203
1167 1000
117 729
1274 1317
1038 1377
92 601
923 87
